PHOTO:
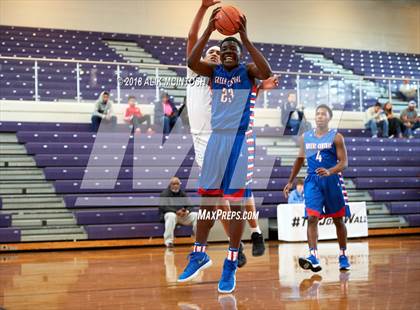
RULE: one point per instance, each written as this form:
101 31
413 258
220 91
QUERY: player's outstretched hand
322 172
270 83
287 189
212 21
209 3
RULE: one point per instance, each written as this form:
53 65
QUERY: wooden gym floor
385 275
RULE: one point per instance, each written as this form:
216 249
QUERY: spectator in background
103 112
134 116
292 117
408 91
395 124
296 196
166 113
410 119
175 209
375 118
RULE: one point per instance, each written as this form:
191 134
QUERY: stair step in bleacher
29 177
45 222
53 237
8 138
33 205
51 230
43 215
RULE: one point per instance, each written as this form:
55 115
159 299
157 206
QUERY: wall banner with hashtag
292 224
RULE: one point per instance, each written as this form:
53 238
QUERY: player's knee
312 220
338 221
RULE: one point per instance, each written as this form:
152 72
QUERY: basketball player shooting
199 97
324 191
225 160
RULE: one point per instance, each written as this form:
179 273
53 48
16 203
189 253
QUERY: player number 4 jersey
320 152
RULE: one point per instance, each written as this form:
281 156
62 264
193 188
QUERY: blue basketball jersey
232 94
320 152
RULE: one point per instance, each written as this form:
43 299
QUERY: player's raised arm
295 169
260 68
194 60
195 27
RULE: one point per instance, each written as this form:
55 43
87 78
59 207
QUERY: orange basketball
228 20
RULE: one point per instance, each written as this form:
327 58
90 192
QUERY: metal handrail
164 66
118 65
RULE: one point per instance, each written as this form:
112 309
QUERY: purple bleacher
404 207
65 44
90 137
107 148
9 234
387 182
354 141
393 160
33 126
5 220
111 200
382 171
143 230
413 219
146 185
395 194
57 160
144 215
78 173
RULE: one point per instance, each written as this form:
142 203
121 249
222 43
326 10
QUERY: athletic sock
255 229
314 252
232 254
198 247
343 251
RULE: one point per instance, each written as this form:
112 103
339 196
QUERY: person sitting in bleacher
395 124
296 196
407 91
375 118
134 116
292 117
410 119
175 208
103 112
166 113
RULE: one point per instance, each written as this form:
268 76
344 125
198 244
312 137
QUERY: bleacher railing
312 88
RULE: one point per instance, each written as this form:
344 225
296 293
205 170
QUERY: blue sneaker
198 261
310 262
344 263
227 282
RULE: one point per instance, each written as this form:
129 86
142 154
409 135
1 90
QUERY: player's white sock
198 247
314 252
255 229
232 254
343 251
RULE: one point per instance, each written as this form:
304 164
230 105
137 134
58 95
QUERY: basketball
228 20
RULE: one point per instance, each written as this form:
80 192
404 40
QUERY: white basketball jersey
198 103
